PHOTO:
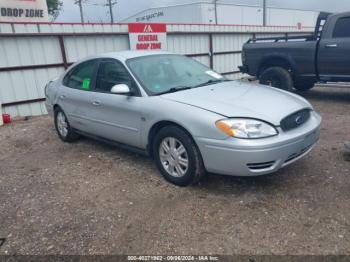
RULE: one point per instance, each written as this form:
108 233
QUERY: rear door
116 117
334 50
76 95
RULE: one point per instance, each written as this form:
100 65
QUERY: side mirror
120 89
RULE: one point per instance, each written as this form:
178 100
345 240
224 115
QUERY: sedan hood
240 99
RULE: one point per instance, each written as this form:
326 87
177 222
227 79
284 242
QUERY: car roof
125 55
121 56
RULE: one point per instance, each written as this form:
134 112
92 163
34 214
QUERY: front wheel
277 77
177 157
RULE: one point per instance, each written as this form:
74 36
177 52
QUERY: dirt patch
91 198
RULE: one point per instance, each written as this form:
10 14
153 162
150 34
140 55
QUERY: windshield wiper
175 89
211 82
181 88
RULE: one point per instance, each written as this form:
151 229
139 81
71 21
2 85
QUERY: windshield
166 73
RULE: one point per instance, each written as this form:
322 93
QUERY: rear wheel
63 128
177 157
277 77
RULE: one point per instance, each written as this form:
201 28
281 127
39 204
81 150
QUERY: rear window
80 77
342 28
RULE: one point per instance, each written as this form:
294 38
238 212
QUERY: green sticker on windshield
86 84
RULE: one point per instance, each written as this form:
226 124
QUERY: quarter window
111 73
81 76
342 28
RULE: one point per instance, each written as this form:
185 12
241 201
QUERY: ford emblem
299 120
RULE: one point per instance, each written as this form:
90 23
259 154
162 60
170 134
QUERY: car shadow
103 147
213 184
325 94
221 184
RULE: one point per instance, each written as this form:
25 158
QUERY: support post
211 51
63 51
264 13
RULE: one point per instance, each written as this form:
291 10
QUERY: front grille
260 166
295 120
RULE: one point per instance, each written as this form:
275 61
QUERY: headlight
246 128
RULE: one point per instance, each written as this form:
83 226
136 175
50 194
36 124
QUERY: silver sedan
189 118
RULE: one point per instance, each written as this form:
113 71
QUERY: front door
117 117
334 50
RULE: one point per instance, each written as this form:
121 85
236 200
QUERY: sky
125 8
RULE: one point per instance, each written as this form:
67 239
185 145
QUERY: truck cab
301 61
333 56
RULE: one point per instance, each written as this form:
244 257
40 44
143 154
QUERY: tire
171 164
277 77
63 128
303 86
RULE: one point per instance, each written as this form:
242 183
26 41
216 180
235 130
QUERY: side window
81 76
342 28
111 73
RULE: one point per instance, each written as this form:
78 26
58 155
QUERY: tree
54 7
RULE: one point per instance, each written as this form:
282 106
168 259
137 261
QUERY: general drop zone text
19 12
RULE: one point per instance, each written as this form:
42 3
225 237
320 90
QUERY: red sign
147 36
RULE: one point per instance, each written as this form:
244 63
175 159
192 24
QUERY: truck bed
308 37
301 49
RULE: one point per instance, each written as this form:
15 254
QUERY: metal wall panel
24 85
5 28
15 51
30 51
234 42
227 63
78 47
188 44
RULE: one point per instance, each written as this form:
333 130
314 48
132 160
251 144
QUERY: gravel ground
91 198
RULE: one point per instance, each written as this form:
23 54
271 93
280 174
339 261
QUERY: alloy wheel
173 157
62 124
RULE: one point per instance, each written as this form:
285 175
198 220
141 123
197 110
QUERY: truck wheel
304 86
277 77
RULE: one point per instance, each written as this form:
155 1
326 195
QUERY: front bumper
243 157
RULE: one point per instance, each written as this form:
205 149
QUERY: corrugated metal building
205 13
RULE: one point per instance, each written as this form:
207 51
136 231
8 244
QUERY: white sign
23 11
147 36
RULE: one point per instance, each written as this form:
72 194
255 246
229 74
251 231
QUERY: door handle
96 103
62 96
332 46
